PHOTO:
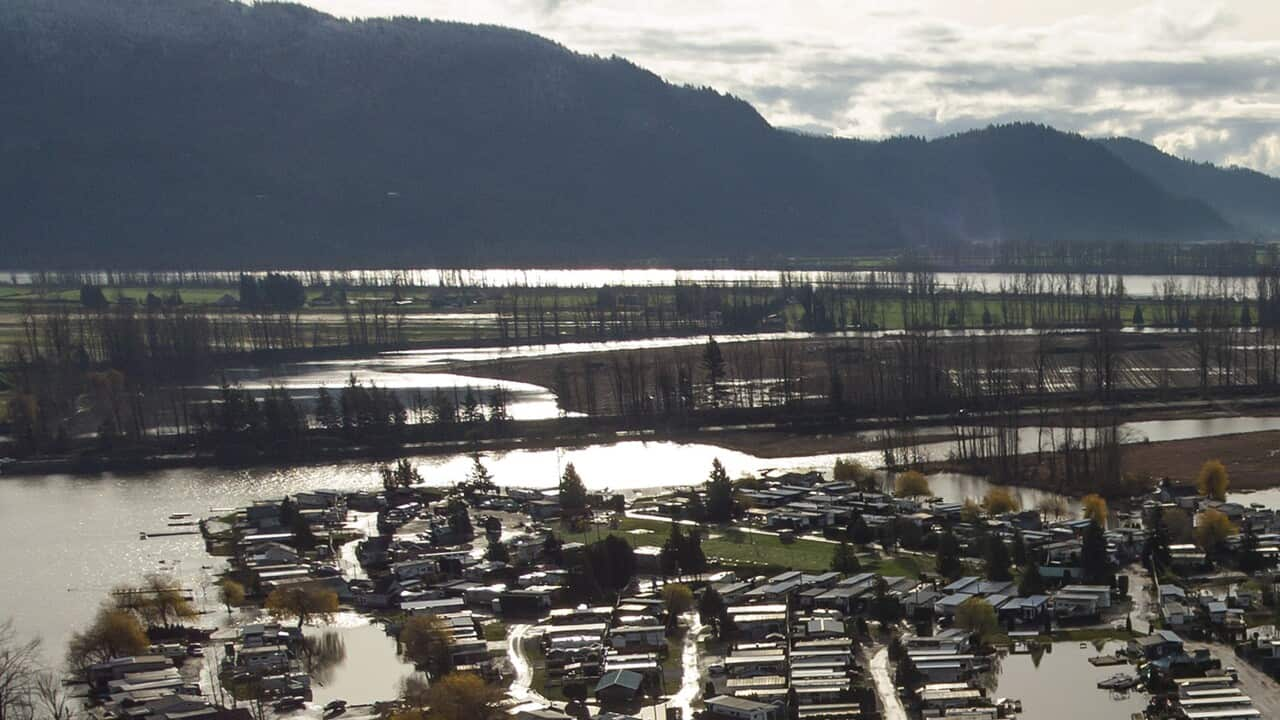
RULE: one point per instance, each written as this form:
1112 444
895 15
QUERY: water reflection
1044 680
356 661
322 654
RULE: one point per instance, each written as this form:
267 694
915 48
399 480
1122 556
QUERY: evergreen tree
1094 561
844 559
669 557
1031 582
711 608
553 549
997 558
714 366
1155 553
459 518
1019 548
720 502
471 407
573 493
478 481
696 510
1138 318
497 552
949 562
692 558
858 532
326 411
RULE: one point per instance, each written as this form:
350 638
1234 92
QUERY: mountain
1247 198
208 133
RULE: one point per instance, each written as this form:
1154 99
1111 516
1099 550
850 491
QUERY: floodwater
367 669
1060 684
304 380
67 540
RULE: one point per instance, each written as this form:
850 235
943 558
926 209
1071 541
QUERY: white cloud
1263 154
1199 79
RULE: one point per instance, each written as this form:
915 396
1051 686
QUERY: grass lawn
496 630
732 546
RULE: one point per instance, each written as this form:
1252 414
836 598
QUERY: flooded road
521 688
691 679
882 676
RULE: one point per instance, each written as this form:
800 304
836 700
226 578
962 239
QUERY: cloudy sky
1198 79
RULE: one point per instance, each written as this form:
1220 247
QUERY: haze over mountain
205 133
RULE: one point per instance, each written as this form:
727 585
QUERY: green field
727 546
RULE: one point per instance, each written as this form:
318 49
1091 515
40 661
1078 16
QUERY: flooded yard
1058 683
358 661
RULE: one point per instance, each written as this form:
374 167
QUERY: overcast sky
1198 79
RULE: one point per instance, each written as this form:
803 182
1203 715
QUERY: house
1101 592
953 640
618 687
756 664
1160 644
543 509
1075 605
414 569
1024 610
941 697
1175 614
735 708
99 674
541 714
263 659
946 607
635 637
533 600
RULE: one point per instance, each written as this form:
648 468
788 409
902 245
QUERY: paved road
521 686
1253 682
883 678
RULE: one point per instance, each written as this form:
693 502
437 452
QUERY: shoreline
1249 455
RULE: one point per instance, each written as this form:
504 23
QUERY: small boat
179 516
1105 660
1121 681
287 704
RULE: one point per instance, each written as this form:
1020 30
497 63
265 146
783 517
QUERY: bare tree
19 667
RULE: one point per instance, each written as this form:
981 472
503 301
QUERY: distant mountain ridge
206 133
1248 198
